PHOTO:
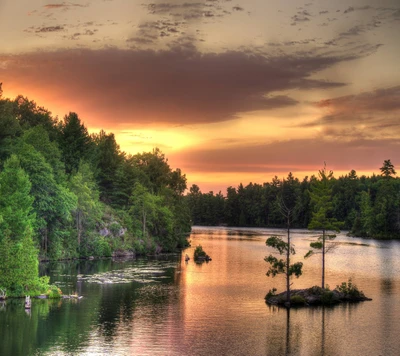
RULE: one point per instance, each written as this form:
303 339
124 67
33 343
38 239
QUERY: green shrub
271 293
101 247
316 290
199 252
297 300
328 297
349 289
115 228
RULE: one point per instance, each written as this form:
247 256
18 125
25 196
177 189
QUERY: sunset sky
231 91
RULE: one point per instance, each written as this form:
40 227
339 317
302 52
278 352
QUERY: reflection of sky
218 307
230 91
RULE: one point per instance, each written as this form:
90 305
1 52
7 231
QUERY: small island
346 292
200 255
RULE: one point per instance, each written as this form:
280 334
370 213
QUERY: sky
231 91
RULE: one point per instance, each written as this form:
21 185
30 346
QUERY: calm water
165 306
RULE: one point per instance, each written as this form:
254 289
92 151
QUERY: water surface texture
166 306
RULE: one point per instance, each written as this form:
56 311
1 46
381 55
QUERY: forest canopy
77 194
367 206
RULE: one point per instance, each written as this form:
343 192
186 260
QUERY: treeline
367 206
77 194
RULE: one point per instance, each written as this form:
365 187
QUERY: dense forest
67 194
367 206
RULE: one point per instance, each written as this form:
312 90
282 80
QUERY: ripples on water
165 306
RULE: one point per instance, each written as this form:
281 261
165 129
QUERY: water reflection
180 307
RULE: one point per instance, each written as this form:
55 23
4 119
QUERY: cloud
370 115
49 29
187 10
176 86
63 6
349 9
293 155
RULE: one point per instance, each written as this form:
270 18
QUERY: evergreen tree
321 198
388 169
74 140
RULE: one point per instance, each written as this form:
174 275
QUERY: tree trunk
323 259
288 263
78 227
144 223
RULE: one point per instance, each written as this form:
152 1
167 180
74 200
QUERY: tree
144 206
321 198
387 169
83 185
282 266
15 201
74 142
19 267
287 198
108 160
53 202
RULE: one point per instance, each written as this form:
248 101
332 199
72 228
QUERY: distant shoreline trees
367 206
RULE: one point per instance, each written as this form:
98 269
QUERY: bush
199 252
328 297
271 293
115 228
101 247
349 289
316 290
297 300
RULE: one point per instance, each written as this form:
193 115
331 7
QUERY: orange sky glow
231 92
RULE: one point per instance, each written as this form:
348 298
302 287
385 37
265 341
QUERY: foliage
366 206
16 202
387 169
278 266
297 300
328 297
271 293
199 252
62 187
349 289
321 199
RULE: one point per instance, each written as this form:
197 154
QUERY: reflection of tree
287 331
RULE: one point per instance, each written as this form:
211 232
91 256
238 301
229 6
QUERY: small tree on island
321 198
282 265
287 204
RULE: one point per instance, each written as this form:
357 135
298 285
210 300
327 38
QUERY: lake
165 306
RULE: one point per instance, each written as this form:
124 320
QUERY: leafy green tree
19 265
9 129
16 202
321 198
29 115
88 208
38 137
53 202
144 207
156 169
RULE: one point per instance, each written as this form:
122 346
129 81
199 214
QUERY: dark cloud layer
177 86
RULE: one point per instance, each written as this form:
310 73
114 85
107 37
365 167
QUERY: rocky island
346 292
